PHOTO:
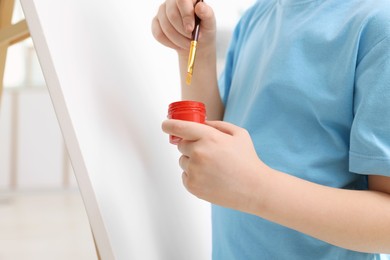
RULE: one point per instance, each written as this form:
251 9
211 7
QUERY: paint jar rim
187 105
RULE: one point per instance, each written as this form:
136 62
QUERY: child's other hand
219 162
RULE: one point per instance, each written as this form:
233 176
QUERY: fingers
192 131
206 15
189 131
226 127
159 34
185 178
176 18
183 163
175 21
165 32
186 9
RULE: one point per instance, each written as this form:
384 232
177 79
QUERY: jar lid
187 104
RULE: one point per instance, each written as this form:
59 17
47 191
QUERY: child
299 168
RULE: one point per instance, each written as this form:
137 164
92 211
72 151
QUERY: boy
300 167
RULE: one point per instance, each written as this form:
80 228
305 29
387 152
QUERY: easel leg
96 247
3 57
6 10
14 138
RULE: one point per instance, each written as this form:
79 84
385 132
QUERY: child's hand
175 21
219 162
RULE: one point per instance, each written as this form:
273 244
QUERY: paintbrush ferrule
191 57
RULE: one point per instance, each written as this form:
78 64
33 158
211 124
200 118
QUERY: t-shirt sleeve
370 132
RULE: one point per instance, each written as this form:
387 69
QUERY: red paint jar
186 110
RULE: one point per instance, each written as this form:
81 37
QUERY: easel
11 34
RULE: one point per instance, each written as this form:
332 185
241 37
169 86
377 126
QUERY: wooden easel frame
11 34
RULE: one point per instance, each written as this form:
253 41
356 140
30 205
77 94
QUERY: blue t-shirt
310 81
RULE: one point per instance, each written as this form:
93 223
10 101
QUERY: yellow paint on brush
189 79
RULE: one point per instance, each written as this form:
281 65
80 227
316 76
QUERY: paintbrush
194 43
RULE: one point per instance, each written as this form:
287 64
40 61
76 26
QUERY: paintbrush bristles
189 78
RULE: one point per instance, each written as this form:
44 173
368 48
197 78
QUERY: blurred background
42 215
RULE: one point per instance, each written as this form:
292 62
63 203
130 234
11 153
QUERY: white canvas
111 83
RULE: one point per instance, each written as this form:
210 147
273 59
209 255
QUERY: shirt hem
369 165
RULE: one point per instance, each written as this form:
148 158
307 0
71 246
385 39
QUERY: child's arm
172 27
220 165
357 220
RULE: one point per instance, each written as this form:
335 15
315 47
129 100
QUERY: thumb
225 127
206 15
